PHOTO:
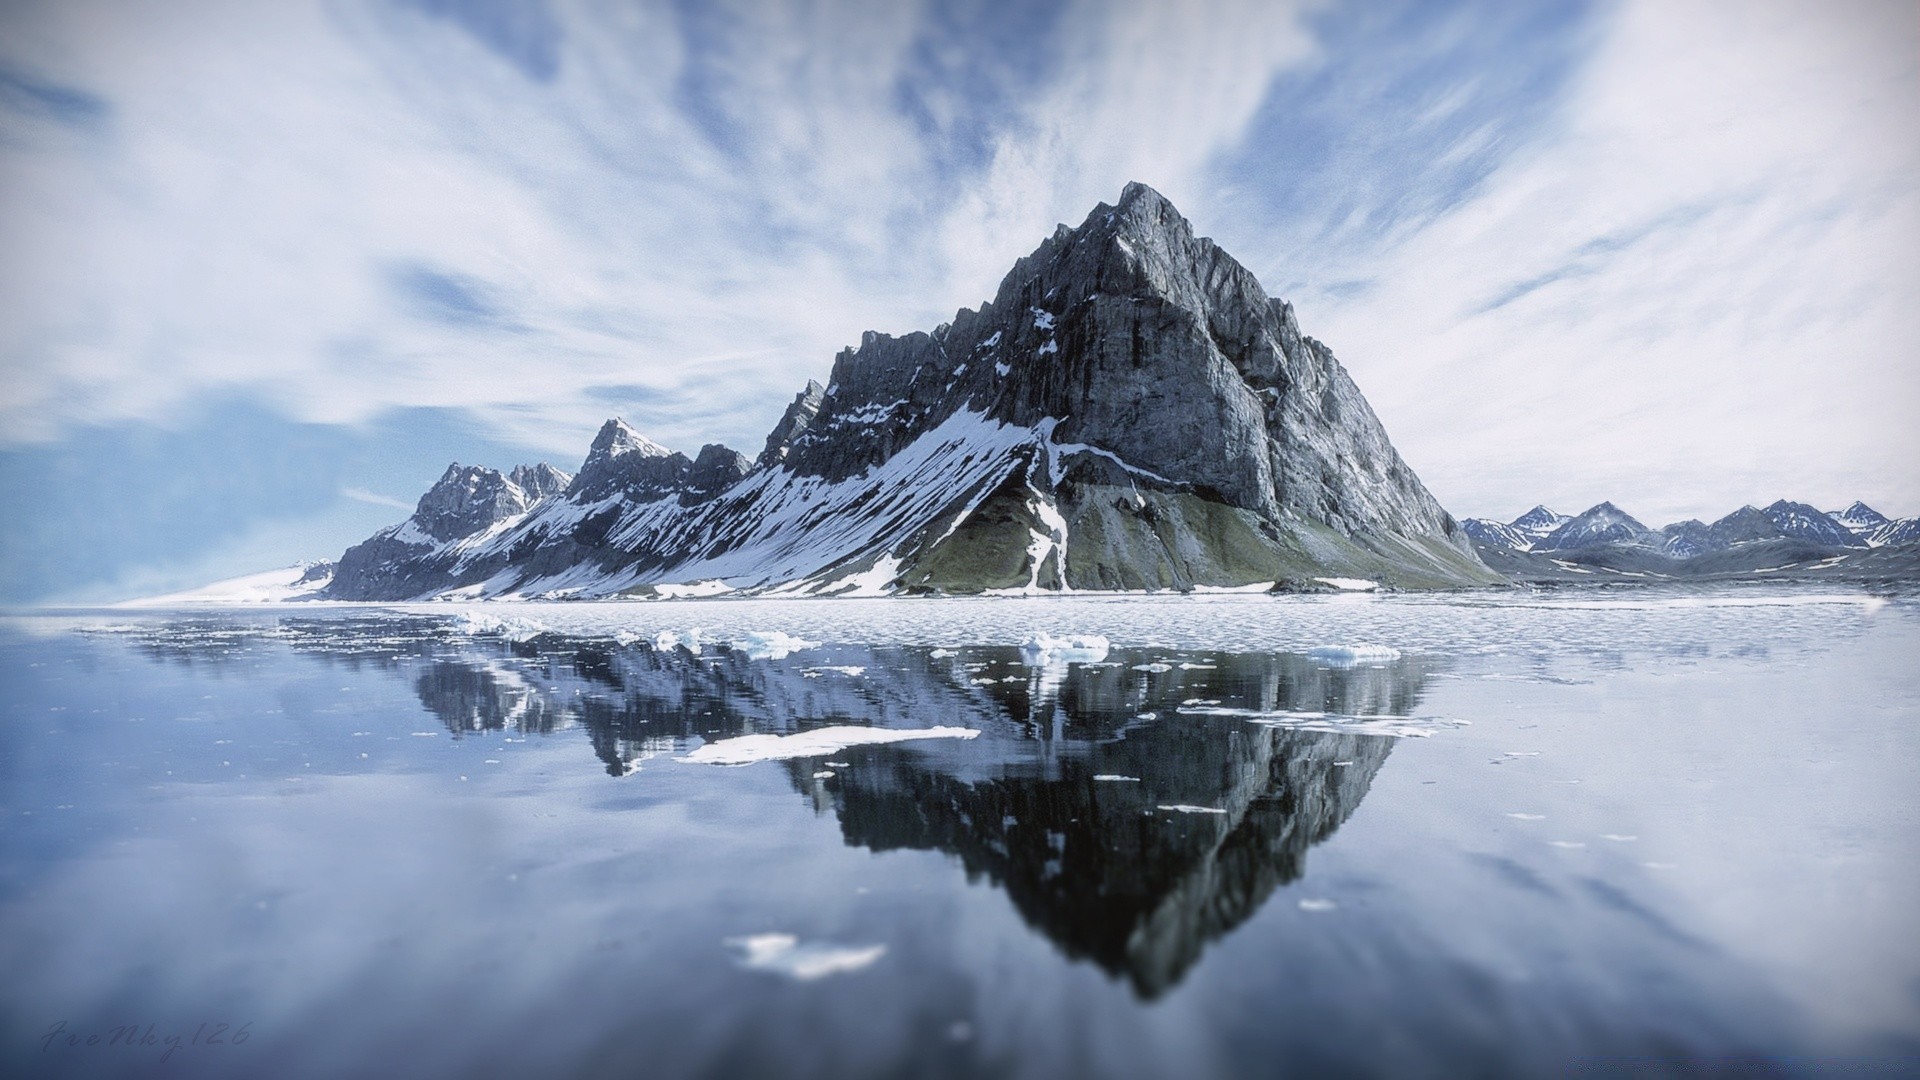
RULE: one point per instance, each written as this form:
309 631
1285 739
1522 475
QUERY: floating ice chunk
669 640
512 628
939 654
1041 649
770 644
1188 808
1116 778
841 669
1197 667
1316 904
1351 656
783 954
685 590
747 749
1156 668
1385 725
626 639
823 774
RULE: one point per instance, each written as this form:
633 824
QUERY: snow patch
1350 584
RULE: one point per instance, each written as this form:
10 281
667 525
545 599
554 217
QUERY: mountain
1499 534
1803 522
1783 539
1130 411
1860 519
1520 534
1892 533
1685 539
1602 524
1744 526
1538 522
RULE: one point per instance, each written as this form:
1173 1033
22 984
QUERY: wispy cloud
347 207
375 499
1692 291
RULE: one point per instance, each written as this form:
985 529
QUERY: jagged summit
1601 524
1130 410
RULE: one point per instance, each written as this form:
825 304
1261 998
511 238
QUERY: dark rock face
539 481
716 469
793 423
467 499
1130 411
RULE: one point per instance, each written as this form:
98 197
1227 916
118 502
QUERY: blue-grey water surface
1587 831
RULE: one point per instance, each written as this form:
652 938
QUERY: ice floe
770 644
1350 656
1189 808
510 627
748 749
1044 648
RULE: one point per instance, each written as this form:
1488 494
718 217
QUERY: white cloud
348 207
1698 292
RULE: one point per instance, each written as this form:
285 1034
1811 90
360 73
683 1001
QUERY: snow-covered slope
1496 533
303 581
1859 519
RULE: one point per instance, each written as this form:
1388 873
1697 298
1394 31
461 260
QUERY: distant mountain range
1783 536
1131 411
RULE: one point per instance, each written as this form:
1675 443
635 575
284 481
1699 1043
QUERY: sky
265 269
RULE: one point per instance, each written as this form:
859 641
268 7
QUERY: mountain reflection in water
1128 833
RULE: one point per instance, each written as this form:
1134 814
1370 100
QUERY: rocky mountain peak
1859 517
716 469
623 461
1804 522
793 423
1538 518
540 481
1601 524
467 499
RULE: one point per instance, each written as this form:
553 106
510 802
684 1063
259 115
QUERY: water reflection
1133 810
1062 802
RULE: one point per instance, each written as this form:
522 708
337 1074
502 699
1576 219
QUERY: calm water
1595 831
